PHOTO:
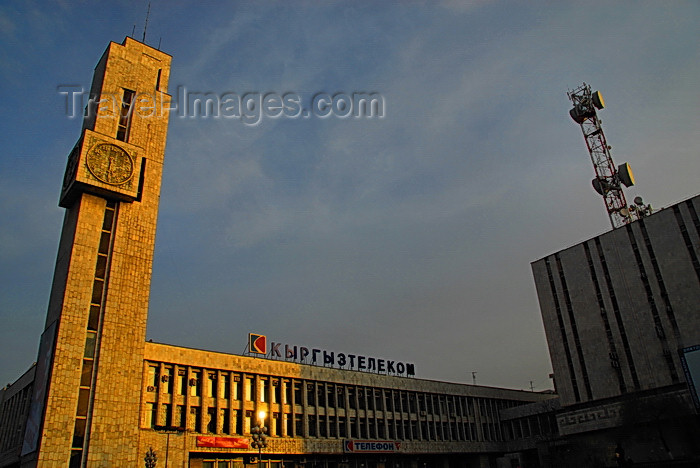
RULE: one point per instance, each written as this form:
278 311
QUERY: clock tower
85 404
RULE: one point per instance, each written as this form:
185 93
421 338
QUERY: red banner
223 442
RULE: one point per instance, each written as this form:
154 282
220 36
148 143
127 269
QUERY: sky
407 237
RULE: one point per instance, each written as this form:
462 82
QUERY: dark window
125 113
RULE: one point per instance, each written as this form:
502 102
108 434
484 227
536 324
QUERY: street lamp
168 430
258 434
151 458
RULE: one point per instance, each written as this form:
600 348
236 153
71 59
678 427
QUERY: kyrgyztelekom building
101 396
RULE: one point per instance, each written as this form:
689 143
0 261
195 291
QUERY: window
168 414
125 113
287 392
310 395
277 421
211 420
181 382
152 377
276 391
238 421
249 420
322 426
151 415
297 393
340 397
352 427
341 428
83 401
412 402
181 416
298 426
289 418
211 385
250 389
94 317
237 387
194 383
226 383
265 390
351 397
86 375
168 379
330 391
90 341
197 413
79 433
312 425
332 427
321 395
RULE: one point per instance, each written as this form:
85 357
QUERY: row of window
175 380
99 286
215 401
12 414
239 422
541 425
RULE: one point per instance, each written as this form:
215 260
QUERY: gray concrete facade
619 307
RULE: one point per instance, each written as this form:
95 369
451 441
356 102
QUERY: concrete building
618 310
101 396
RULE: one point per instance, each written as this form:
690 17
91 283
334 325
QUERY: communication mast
609 179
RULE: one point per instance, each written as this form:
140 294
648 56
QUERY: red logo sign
258 343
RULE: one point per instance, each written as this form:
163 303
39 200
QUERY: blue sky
407 237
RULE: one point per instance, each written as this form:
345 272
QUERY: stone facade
89 368
312 409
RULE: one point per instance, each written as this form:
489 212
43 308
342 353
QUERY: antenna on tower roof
145 26
609 179
133 30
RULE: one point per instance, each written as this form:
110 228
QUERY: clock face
110 164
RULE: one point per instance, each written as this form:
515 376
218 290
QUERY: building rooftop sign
257 344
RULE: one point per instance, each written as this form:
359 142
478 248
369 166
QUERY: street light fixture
151 458
258 435
168 430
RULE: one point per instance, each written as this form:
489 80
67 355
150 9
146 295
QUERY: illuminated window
150 414
194 383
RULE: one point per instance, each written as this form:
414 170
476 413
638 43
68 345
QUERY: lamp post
258 434
151 458
168 430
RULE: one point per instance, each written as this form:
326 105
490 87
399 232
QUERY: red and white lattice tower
609 179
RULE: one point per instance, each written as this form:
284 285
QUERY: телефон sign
371 446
